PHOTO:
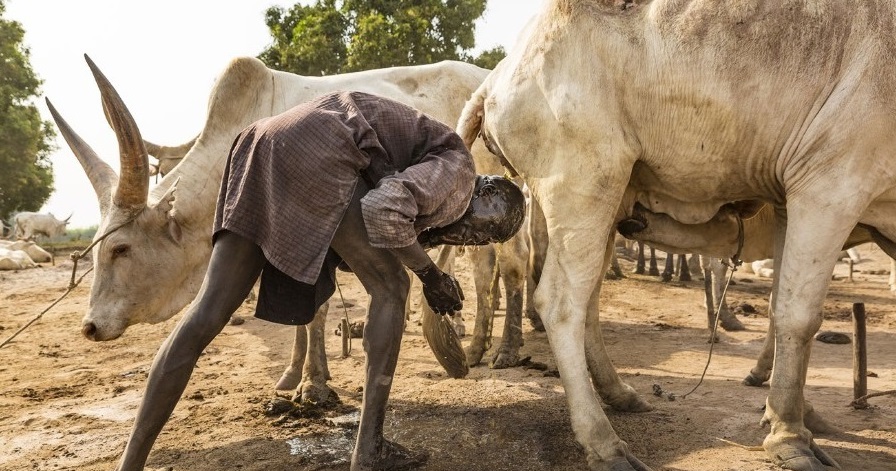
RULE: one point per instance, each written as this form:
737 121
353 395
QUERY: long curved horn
133 184
100 174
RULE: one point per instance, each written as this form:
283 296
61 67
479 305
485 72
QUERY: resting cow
685 106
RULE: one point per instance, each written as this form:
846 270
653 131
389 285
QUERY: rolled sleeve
432 193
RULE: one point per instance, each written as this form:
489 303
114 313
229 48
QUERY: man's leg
235 265
387 282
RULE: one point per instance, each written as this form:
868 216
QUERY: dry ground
66 403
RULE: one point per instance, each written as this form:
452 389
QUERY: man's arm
442 291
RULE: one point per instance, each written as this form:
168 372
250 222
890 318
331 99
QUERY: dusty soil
67 403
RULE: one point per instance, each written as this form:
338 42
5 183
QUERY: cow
723 236
28 225
34 251
166 230
684 107
11 259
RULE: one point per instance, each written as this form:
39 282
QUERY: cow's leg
387 282
537 236
315 372
484 262
653 270
512 265
308 345
639 264
609 385
292 375
763 369
813 237
684 271
727 319
669 269
615 271
893 275
567 294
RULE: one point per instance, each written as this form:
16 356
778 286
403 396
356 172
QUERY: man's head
495 214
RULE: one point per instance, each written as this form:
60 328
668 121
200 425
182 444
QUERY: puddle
329 450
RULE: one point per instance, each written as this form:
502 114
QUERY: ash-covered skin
495 214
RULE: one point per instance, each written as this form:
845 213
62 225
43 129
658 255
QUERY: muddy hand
442 291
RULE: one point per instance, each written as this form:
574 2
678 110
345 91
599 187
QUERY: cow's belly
691 192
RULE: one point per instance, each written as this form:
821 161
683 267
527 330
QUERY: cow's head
142 264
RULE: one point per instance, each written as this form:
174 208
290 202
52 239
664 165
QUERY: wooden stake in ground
859 357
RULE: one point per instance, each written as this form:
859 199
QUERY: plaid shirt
289 178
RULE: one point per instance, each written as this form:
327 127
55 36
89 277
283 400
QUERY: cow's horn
100 174
133 184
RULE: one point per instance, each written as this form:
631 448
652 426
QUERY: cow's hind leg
609 385
484 262
811 241
512 263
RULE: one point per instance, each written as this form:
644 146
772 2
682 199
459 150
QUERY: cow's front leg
803 262
307 372
315 372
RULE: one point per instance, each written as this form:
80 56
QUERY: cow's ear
167 207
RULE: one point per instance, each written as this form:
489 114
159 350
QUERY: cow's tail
470 122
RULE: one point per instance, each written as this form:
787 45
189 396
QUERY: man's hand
442 291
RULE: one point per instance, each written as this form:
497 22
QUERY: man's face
490 208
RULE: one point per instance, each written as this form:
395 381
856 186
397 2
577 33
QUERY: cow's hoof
626 463
535 322
237 320
754 380
630 401
394 457
731 324
315 394
503 360
474 355
801 458
289 380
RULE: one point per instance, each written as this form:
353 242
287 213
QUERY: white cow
15 259
34 251
159 241
752 241
685 106
28 225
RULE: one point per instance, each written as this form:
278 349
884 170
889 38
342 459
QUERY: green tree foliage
337 36
26 174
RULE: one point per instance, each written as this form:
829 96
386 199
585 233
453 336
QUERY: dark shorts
284 300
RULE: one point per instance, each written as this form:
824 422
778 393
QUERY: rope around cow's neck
735 262
72 284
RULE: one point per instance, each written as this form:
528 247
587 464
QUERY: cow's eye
120 250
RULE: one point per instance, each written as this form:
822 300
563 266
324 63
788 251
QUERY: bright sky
162 57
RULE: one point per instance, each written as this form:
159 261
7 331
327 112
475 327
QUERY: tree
26 173
337 36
